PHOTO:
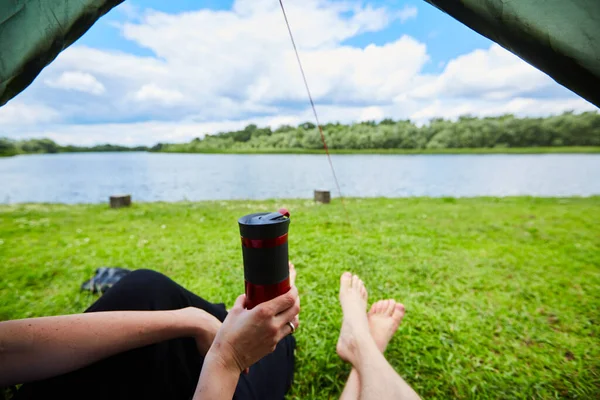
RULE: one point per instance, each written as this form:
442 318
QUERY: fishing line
314 109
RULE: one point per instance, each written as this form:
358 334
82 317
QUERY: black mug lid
265 225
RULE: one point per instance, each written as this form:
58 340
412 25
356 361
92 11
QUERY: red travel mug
265 252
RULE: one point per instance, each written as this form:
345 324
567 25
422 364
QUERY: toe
292 273
355 282
363 289
399 311
380 306
373 309
390 307
345 281
385 306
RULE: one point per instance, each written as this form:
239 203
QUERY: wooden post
121 200
322 196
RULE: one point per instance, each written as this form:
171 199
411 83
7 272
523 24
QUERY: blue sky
154 71
445 37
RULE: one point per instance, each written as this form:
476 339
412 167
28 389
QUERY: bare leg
384 319
378 380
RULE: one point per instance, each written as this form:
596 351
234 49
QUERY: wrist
222 355
220 374
188 321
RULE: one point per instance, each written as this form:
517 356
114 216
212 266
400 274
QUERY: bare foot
384 319
292 273
293 280
355 326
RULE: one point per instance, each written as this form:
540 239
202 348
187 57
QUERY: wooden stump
322 196
119 201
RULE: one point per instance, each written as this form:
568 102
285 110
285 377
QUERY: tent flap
34 32
559 37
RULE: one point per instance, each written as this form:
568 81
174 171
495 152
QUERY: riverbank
495 150
499 150
502 294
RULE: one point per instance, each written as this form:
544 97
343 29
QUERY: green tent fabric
34 32
560 37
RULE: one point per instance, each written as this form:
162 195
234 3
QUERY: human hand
246 336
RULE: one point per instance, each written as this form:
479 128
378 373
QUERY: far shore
494 150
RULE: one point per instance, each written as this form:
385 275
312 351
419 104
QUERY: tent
561 38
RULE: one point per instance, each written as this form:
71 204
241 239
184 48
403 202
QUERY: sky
169 71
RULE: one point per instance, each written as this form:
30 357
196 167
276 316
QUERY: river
92 177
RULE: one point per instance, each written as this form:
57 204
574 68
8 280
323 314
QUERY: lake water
92 177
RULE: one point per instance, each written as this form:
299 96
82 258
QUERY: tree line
10 147
507 131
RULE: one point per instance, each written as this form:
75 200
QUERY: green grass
495 150
503 295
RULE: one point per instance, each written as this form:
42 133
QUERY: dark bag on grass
104 279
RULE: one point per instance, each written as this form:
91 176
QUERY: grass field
502 295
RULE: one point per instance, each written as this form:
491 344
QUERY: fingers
285 328
279 312
281 303
296 322
239 302
290 313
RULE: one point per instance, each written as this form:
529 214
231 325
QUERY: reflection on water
92 177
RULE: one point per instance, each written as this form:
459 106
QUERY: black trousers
166 370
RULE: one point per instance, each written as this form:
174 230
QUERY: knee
148 281
146 276
141 289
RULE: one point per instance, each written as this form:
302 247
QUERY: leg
149 290
378 380
384 319
164 370
352 388
272 376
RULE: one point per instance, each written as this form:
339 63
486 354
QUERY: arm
245 337
218 378
39 348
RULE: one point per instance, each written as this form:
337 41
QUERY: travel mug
265 252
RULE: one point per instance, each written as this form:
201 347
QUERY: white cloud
494 73
78 81
129 10
150 132
372 114
218 70
17 114
408 12
518 106
155 94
